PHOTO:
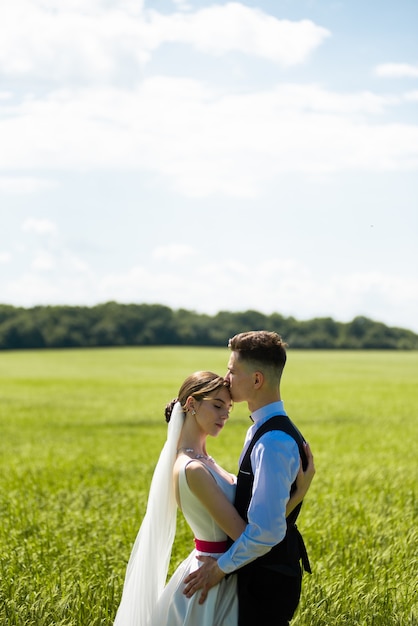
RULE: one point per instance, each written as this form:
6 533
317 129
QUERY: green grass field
81 431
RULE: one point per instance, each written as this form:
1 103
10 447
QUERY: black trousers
267 597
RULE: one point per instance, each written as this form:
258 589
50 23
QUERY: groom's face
239 377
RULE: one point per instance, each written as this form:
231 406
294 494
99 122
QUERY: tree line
114 324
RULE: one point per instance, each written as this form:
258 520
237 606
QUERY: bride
188 478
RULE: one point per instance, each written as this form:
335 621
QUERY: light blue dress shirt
275 463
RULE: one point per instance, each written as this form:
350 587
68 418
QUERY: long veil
150 557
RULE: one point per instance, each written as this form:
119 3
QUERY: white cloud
173 252
43 261
94 41
139 283
204 141
34 287
411 96
182 5
377 294
24 184
39 226
5 257
287 286
77 40
397 70
77 264
314 98
235 27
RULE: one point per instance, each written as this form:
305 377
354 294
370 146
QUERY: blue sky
211 155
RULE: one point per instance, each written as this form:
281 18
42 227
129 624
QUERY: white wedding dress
146 598
221 605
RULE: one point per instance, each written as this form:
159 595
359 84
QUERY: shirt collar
269 410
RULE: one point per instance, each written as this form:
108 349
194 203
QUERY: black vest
285 556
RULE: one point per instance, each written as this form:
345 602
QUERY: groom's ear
258 378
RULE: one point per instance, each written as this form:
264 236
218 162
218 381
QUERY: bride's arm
303 481
204 487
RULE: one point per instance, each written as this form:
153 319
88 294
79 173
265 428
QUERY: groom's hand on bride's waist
204 578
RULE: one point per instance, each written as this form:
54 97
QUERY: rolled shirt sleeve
275 464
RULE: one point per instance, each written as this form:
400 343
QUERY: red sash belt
210 546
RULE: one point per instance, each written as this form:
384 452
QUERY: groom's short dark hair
260 346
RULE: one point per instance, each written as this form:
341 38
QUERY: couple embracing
246 567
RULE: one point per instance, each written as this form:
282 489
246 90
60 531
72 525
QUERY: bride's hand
305 477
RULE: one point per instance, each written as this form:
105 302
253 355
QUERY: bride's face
213 411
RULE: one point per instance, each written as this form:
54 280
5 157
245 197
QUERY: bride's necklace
197 455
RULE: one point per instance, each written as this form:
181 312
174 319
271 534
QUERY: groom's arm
275 461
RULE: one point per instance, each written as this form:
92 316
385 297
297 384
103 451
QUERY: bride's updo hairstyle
197 385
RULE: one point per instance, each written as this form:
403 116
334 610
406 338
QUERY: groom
266 557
